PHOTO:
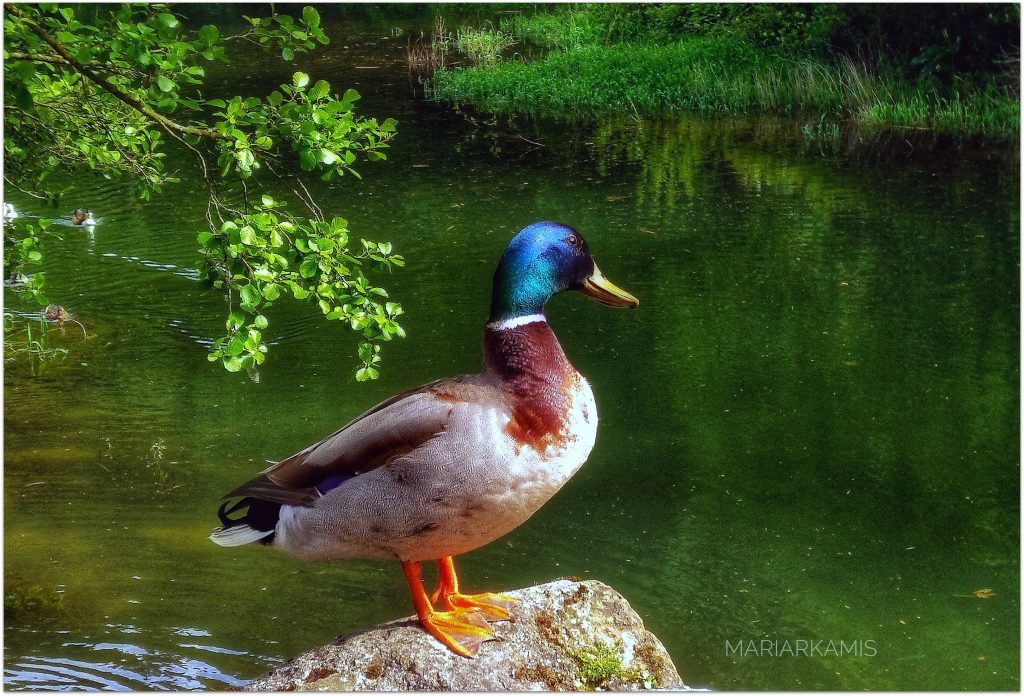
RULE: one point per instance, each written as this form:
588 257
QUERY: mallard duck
82 217
448 467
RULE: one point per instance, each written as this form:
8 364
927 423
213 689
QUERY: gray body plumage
436 472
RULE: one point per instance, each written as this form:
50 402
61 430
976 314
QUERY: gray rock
567 636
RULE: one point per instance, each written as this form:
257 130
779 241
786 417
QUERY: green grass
989 113
483 46
566 31
710 74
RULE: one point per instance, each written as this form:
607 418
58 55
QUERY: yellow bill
606 292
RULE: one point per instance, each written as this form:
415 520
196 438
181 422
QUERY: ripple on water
121 667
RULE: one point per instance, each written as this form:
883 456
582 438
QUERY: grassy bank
583 74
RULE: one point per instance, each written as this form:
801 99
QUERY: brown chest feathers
538 378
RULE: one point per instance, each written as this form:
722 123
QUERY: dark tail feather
255 524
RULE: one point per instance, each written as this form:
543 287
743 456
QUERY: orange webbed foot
496 607
461 630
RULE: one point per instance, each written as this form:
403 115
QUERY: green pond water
809 428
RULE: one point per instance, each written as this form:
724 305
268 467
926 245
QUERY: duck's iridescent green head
545 259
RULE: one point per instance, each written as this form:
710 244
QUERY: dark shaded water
809 430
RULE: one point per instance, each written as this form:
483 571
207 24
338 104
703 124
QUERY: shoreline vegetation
647 59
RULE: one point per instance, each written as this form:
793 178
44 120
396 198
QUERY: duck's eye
573 240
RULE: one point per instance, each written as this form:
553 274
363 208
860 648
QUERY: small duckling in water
9 212
82 217
17 281
56 313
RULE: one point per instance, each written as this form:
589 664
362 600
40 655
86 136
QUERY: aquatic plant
23 597
567 31
425 58
825 133
483 46
718 75
34 344
714 58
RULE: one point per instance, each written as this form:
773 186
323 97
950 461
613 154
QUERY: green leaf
235 319
287 53
203 238
260 322
307 159
24 69
209 34
275 98
366 373
165 83
310 16
236 345
271 291
308 268
350 96
167 20
249 294
320 90
247 235
300 80
328 157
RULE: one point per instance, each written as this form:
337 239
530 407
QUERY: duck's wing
386 432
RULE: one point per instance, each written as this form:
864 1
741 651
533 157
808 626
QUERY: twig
27 193
532 142
318 213
106 85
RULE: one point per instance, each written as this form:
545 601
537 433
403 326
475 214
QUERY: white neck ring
515 322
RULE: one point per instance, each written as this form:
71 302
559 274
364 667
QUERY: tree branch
112 89
38 58
12 184
57 60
